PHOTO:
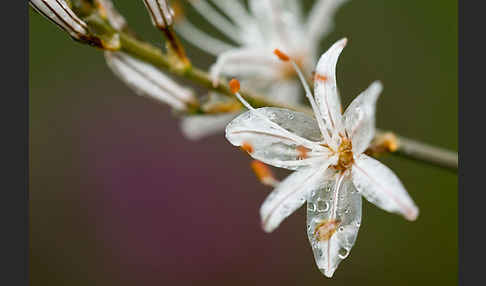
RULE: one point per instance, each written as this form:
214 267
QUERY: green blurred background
119 197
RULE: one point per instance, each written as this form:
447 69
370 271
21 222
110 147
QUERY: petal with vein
379 185
333 221
290 195
359 117
276 141
325 88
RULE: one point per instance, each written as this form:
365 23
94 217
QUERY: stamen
281 55
247 147
326 229
263 173
310 97
320 77
302 152
234 85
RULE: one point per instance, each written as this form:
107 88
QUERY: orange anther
326 229
263 173
320 77
234 85
302 152
247 147
281 55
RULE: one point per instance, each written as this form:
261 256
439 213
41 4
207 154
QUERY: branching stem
405 147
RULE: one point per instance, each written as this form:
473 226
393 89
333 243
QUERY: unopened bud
59 12
160 12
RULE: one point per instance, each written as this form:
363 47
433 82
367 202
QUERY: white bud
147 80
59 12
161 14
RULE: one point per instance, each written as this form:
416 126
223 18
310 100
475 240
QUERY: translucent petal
325 88
277 146
199 126
147 80
379 185
290 195
333 220
359 117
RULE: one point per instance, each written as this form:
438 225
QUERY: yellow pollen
326 229
345 152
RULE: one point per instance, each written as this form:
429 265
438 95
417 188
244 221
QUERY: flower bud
161 14
59 12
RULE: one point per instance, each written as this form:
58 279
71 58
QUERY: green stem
407 148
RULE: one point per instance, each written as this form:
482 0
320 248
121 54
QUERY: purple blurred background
119 197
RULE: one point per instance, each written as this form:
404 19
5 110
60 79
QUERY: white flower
269 24
147 80
326 152
59 12
160 12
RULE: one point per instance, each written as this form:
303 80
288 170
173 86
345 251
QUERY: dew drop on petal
322 206
343 253
311 207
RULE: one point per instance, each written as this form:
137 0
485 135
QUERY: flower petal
196 127
325 88
290 195
321 17
333 220
276 141
379 185
243 61
146 80
359 117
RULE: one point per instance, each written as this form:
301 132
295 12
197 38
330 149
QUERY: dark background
119 197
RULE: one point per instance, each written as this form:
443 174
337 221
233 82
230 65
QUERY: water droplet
291 116
341 228
358 223
311 207
343 253
322 206
346 211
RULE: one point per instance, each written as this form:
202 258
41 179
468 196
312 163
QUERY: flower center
345 154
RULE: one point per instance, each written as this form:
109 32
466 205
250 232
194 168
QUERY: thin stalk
406 148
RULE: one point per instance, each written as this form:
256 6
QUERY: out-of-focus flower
326 152
115 19
160 13
267 25
147 80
